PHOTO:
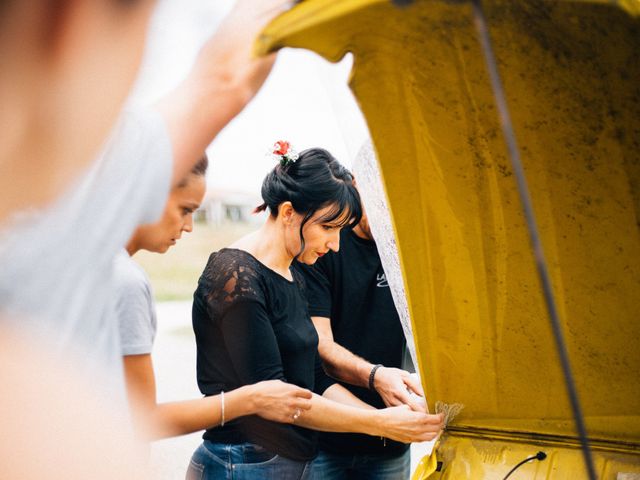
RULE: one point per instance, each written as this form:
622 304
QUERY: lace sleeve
231 276
232 286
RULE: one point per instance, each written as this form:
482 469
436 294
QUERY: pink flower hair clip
283 153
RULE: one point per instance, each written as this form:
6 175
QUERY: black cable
538 456
514 154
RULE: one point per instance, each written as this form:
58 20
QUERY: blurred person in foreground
69 201
274 399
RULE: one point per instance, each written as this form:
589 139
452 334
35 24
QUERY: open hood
571 71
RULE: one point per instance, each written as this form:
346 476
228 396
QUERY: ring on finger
296 415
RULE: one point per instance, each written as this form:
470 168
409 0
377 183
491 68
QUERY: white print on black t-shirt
382 280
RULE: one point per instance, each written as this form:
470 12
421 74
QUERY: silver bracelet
222 403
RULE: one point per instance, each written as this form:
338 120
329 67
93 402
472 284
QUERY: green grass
174 275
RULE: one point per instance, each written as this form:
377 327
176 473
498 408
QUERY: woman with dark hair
135 309
251 323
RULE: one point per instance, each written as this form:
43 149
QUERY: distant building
220 205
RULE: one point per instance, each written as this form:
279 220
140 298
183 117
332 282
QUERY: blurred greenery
174 275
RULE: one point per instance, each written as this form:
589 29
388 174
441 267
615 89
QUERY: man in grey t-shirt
56 276
57 264
64 74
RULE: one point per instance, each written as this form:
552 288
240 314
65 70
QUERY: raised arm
225 77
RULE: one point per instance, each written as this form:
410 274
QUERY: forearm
339 394
197 110
392 384
398 423
330 416
180 418
343 365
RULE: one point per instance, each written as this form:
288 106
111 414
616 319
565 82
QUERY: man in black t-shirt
362 345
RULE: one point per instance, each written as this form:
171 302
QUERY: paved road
174 361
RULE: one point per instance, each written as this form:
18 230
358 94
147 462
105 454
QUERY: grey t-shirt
135 307
56 274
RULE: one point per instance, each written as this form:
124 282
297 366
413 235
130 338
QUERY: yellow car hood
571 71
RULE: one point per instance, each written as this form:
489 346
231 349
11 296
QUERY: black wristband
372 376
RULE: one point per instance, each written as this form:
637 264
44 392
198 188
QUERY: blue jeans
243 461
332 466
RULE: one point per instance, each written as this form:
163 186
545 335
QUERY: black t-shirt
252 324
350 288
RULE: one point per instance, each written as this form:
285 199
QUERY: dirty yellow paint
571 71
465 457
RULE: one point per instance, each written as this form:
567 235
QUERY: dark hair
315 181
198 170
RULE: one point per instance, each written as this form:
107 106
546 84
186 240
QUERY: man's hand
395 386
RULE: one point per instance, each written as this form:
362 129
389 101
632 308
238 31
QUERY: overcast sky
305 100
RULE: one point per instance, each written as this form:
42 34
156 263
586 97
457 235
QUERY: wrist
369 422
216 95
247 399
372 377
363 372
375 423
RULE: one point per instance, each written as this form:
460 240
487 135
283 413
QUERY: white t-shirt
56 265
135 307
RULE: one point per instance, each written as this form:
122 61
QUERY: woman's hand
279 401
405 425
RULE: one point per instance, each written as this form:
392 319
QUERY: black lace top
252 324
